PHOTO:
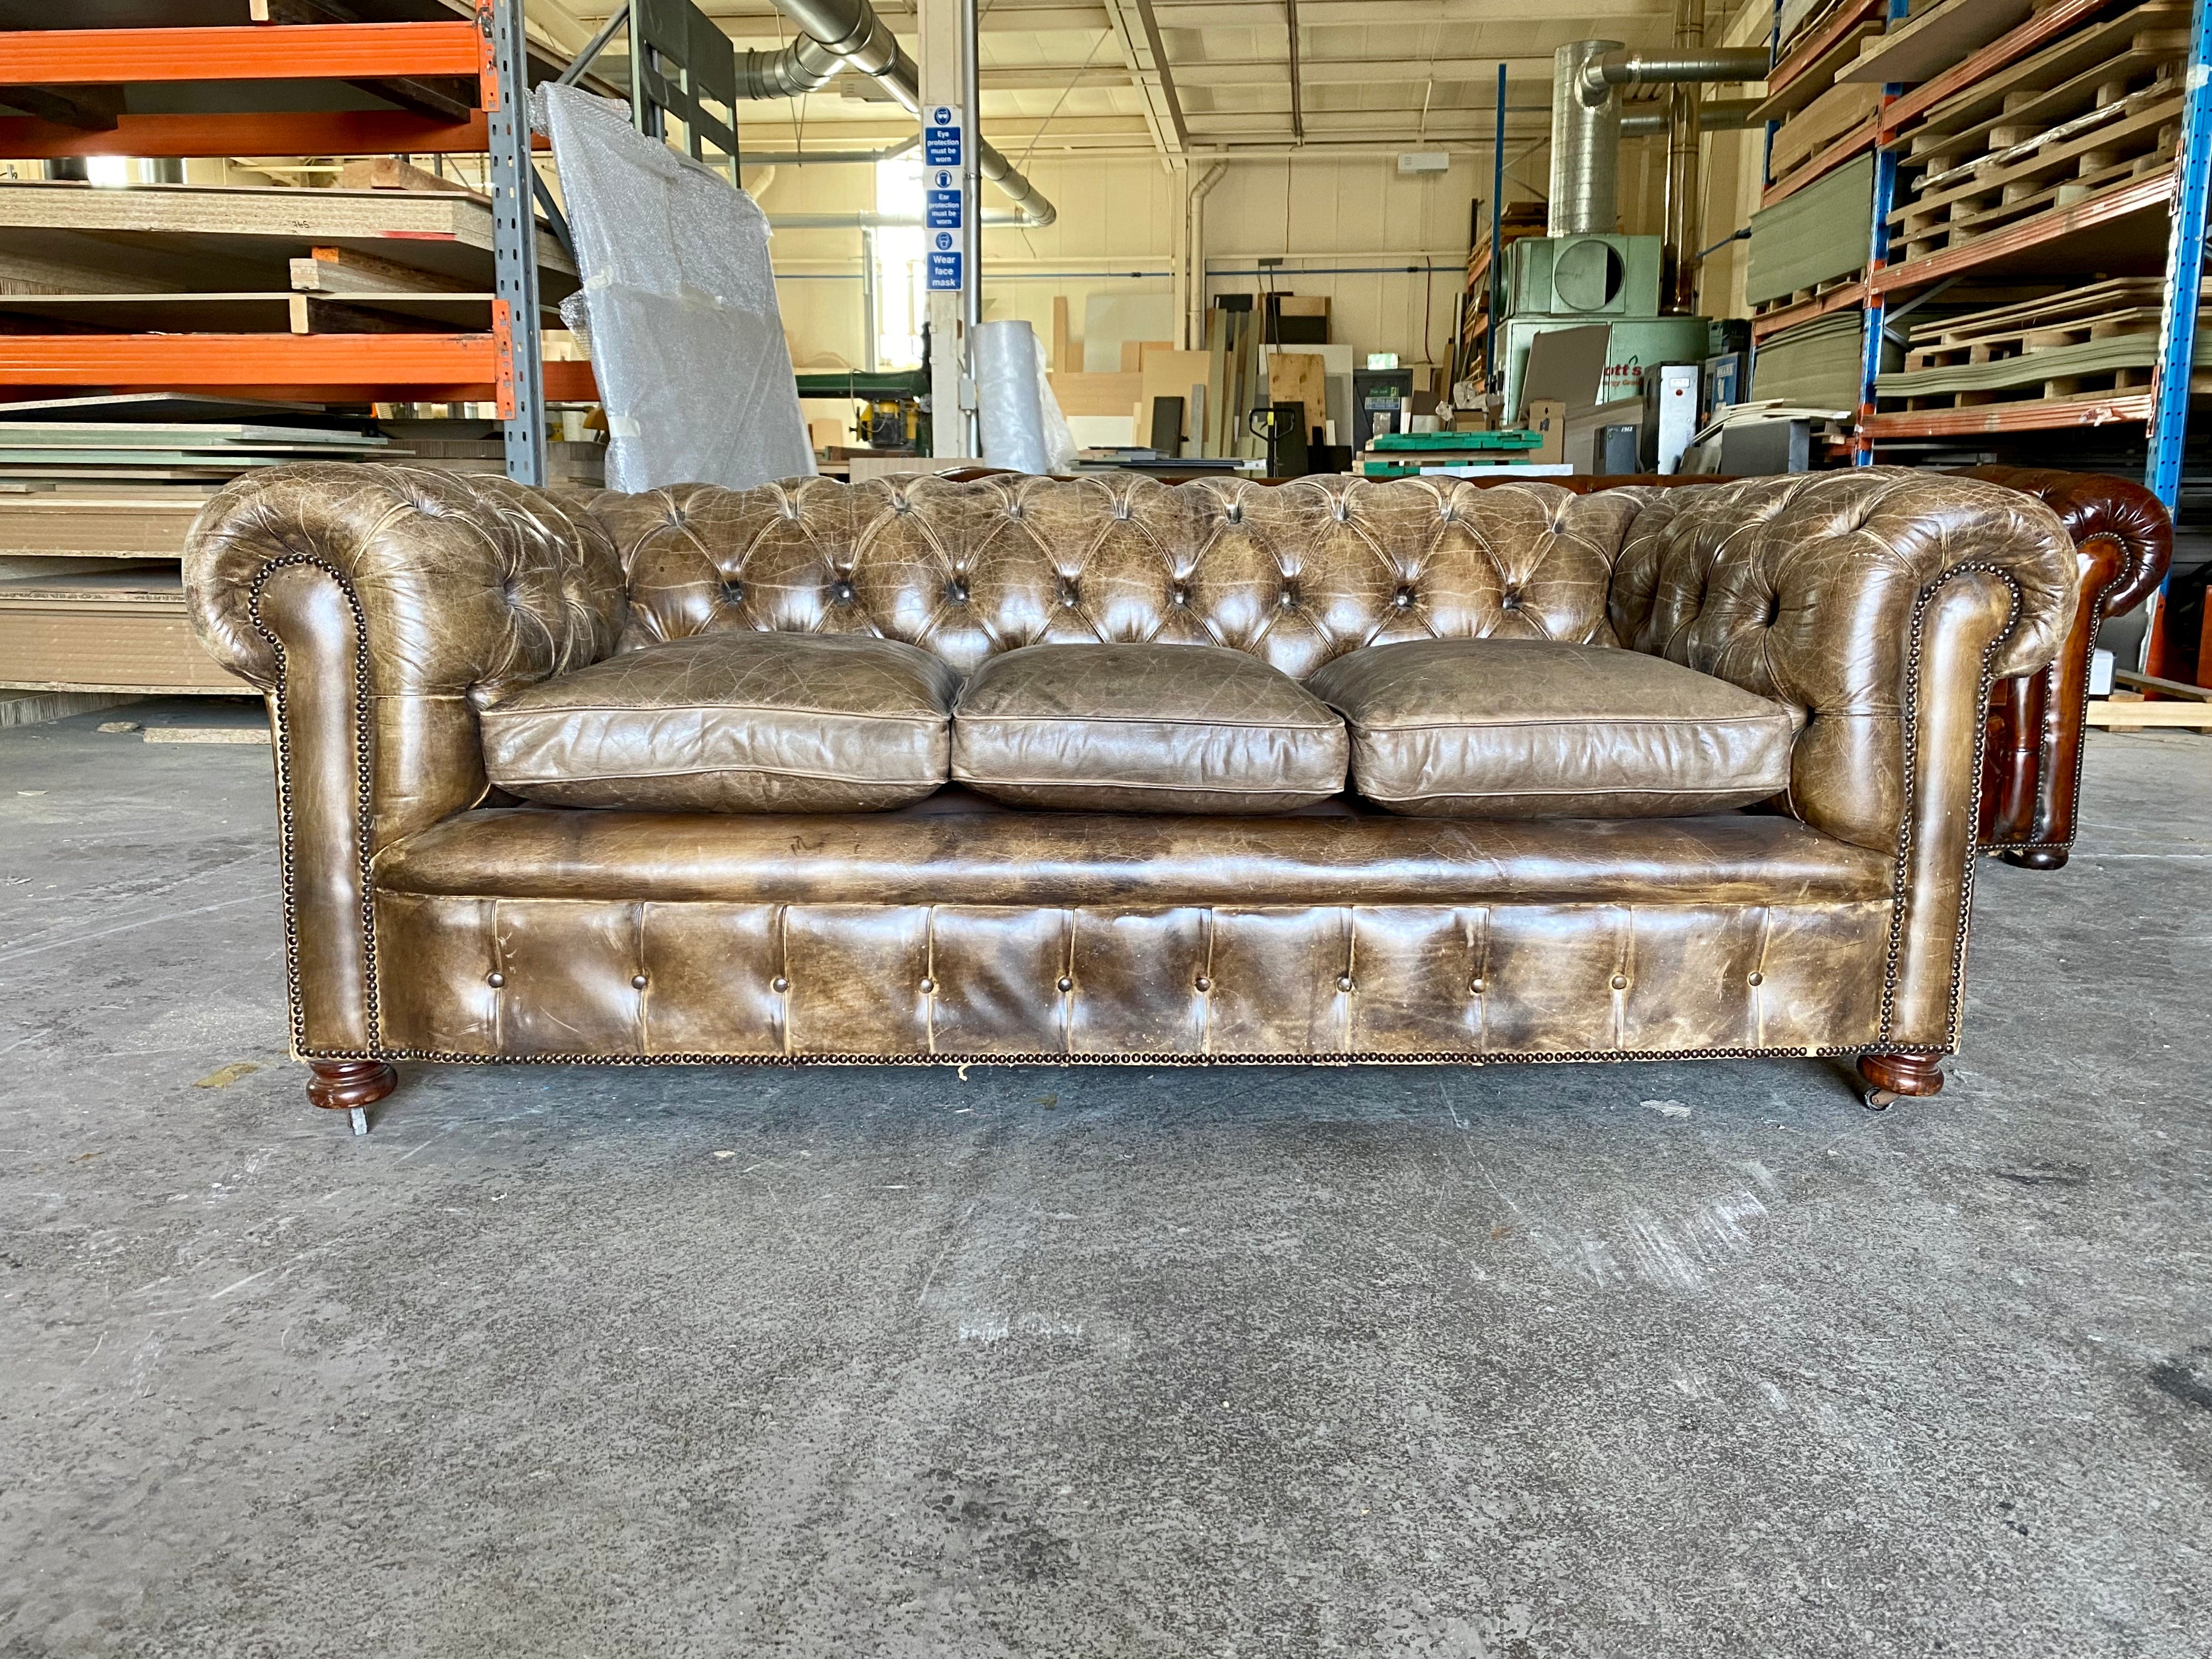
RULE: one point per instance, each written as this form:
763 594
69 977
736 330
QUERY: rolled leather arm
376 605
2123 543
1881 604
1813 590
2095 507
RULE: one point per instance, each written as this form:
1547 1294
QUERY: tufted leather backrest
1295 573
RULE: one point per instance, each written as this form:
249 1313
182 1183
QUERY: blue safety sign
943 272
941 199
940 135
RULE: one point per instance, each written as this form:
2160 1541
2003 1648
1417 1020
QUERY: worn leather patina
732 723
381 606
1535 729
1144 728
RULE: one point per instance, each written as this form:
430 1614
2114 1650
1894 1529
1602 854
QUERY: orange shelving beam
286 132
299 51
379 368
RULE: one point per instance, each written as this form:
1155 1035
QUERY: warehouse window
901 294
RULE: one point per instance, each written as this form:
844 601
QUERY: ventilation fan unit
1595 275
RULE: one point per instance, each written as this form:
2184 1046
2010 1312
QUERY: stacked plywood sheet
1812 239
2095 110
90 596
1816 363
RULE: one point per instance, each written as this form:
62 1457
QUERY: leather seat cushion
731 722
1144 728
956 847
1536 729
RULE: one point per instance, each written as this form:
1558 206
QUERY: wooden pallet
1805 296
2039 90
2003 345
2097 300
2049 171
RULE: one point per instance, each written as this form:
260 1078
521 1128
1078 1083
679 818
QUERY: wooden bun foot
1892 1077
350 1086
2036 857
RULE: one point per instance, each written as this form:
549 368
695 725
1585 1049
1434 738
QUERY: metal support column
1491 378
2185 277
521 370
1885 194
972 228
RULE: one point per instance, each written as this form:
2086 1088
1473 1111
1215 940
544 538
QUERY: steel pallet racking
503 365
2152 226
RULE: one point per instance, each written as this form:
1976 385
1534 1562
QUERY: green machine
1574 282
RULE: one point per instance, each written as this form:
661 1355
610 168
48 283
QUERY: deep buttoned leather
1533 729
732 723
1144 728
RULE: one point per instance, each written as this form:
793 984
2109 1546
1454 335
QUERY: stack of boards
97 491
2096 110
1455 454
2096 341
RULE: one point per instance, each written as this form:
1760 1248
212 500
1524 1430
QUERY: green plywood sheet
1816 363
1817 234
2033 368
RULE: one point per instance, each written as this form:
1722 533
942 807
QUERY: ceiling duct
841 35
1586 119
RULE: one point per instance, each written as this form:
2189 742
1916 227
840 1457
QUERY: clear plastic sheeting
679 306
1022 428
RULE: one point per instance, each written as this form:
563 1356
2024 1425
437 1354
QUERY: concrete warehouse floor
1531 1362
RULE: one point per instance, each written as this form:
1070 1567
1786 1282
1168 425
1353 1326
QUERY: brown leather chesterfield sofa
1364 770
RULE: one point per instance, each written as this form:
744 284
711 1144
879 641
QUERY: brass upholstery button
495 980
779 985
956 591
1344 981
842 593
1204 983
1475 986
1620 982
1756 979
1405 598
927 986
1066 983
1179 594
637 982
1511 601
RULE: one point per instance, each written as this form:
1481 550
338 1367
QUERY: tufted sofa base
962 930
492 978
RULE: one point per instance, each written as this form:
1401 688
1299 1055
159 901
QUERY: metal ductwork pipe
1714 115
841 35
1622 68
1587 122
1585 142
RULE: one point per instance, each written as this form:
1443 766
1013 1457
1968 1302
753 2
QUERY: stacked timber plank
1817 110
2094 110
2090 344
91 597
